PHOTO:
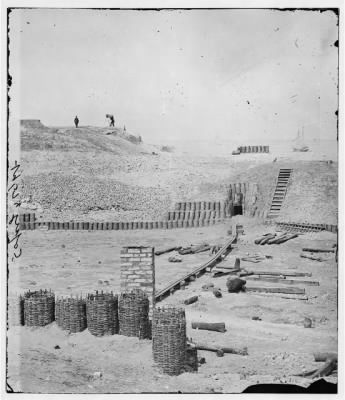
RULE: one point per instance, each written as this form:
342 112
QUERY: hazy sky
253 74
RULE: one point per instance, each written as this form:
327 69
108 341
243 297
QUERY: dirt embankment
96 174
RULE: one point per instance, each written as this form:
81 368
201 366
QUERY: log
318 250
325 356
217 272
223 350
253 260
240 352
257 241
266 239
271 241
283 240
191 300
200 249
167 250
219 352
282 280
216 326
290 290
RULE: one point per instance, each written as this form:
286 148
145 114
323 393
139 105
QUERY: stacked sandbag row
253 149
199 206
90 226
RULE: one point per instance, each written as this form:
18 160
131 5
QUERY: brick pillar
138 271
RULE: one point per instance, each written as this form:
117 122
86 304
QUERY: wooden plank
278 273
290 290
210 263
282 280
318 250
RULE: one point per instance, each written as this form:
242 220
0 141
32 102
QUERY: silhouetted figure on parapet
76 121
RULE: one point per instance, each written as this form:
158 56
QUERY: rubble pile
75 194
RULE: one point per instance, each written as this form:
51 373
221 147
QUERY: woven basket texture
70 313
191 362
102 314
16 311
169 339
39 308
134 314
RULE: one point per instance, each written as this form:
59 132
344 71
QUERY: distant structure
31 123
253 149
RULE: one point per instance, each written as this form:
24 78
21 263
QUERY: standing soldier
112 121
76 121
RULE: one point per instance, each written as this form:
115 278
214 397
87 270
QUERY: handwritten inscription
13 233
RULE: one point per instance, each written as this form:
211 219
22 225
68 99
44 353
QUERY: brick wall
138 271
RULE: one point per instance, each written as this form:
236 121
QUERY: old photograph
172 200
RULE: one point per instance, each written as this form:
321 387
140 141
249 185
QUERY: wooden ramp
280 192
179 283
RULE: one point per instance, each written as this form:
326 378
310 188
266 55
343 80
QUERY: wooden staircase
280 192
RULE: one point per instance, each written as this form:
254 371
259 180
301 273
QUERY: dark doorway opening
238 210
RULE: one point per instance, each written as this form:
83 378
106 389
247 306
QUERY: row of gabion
108 314
102 313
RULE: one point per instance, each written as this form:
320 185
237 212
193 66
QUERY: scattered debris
175 259
222 269
191 300
272 238
216 326
207 287
311 257
235 284
194 249
217 293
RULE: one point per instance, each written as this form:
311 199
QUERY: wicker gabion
70 313
134 314
169 339
39 308
102 314
16 311
191 362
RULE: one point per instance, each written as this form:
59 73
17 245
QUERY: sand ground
278 346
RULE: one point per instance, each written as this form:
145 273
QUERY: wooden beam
278 273
317 250
282 280
290 290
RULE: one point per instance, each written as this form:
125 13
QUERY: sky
252 74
